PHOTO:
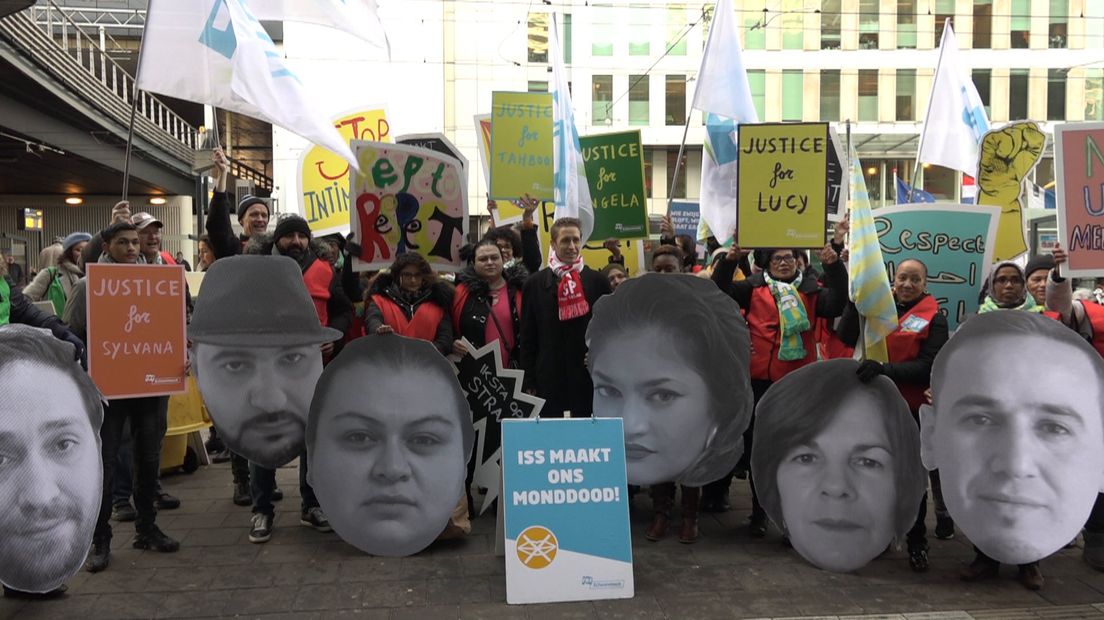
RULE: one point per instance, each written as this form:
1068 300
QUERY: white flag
215 52
359 18
724 94
956 118
572 190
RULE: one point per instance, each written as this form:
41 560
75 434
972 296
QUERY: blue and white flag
359 18
724 95
956 118
918 195
217 53
571 188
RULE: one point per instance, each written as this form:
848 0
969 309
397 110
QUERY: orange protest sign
136 339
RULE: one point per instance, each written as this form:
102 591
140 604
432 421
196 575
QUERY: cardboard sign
594 255
408 199
136 341
954 241
494 394
567 510
505 211
1079 161
521 145
324 176
837 178
438 142
1008 154
783 172
614 165
686 216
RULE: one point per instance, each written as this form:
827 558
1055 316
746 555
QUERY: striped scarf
792 319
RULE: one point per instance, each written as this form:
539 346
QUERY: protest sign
686 216
614 165
837 178
195 281
1079 166
521 145
408 199
324 176
567 510
494 393
438 142
1008 155
955 243
136 343
505 212
782 194
594 254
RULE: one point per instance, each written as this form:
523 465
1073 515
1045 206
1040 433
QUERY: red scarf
569 291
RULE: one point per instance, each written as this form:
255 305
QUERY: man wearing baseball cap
149 239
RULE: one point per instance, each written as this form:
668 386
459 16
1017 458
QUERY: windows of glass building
601 97
1017 94
675 112
676 23
868 24
1058 27
754 26
640 27
983 24
906 94
793 24
830 95
793 95
830 21
982 82
638 100
868 94
757 83
944 10
602 30
1021 24
1094 94
537 86
538 37
1056 94
906 24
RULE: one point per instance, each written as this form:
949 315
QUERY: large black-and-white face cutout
1016 435
388 464
51 476
258 397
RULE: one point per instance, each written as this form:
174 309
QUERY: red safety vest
1095 314
829 345
167 258
423 325
762 318
318 277
904 344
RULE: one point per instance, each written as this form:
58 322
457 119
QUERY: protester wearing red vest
410 301
780 306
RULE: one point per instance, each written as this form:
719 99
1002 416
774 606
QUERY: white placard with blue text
567 510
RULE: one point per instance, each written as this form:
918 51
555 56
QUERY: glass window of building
1059 23
757 83
602 29
678 188
1094 94
830 95
982 82
676 100
1017 94
906 24
601 97
1056 94
830 21
1021 24
944 10
537 86
649 155
1094 25
793 95
538 37
640 30
868 94
868 24
676 24
906 94
793 24
755 28
566 38
983 24
638 99
939 182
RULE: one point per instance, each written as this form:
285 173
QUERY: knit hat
73 239
605 271
291 223
249 201
257 301
1042 261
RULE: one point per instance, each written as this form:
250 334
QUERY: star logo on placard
536 547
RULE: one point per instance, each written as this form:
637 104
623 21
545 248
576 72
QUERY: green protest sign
615 172
521 145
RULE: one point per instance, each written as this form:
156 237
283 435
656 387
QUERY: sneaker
100 556
918 559
277 494
1030 576
314 517
944 528
242 496
221 456
758 526
155 540
262 528
165 501
123 512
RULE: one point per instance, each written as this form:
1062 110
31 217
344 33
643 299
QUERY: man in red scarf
556 308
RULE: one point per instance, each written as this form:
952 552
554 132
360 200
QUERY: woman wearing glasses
780 306
408 299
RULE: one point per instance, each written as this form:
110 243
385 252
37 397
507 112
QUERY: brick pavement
301 573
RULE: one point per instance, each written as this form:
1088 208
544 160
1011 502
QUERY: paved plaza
305 574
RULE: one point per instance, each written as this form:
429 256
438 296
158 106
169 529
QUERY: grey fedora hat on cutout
257 301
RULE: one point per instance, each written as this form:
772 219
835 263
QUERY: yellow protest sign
521 145
505 211
324 176
594 255
783 185
1007 156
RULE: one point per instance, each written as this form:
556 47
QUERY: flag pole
135 94
678 163
927 113
860 348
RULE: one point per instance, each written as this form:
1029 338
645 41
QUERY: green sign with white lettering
615 172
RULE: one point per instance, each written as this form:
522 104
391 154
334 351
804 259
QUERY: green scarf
792 319
1028 305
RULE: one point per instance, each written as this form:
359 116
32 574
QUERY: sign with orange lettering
136 339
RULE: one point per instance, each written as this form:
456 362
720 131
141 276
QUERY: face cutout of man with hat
256 338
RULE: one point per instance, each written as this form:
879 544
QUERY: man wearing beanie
253 215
